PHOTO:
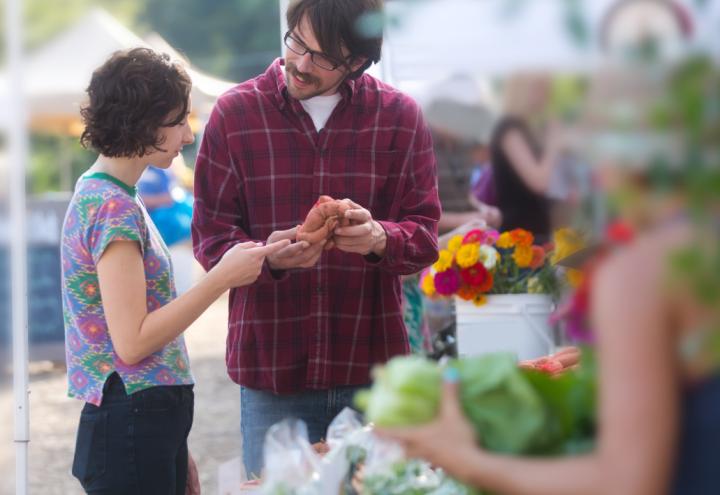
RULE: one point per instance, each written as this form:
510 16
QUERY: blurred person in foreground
126 358
302 340
655 317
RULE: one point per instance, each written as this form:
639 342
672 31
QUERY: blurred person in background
461 116
524 152
126 358
655 318
170 206
302 340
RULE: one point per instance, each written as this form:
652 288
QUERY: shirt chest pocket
369 178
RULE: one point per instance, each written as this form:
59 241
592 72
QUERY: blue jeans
260 410
135 443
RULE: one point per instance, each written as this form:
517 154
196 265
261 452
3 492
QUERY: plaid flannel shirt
260 168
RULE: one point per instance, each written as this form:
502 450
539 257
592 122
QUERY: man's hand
298 255
363 236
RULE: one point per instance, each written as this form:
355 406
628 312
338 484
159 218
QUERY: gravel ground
214 440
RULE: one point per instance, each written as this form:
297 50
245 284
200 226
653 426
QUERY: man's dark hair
131 96
342 23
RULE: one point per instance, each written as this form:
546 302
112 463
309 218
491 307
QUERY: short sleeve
116 219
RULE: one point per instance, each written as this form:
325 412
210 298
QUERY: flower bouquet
484 262
505 286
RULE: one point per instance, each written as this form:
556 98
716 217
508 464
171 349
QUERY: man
302 340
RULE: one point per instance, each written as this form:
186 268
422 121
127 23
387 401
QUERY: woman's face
172 139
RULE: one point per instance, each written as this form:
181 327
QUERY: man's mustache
302 75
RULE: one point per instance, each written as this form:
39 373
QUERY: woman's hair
131 96
342 23
525 92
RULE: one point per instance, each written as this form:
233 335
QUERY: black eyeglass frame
334 63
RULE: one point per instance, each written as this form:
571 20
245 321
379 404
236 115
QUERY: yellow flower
428 285
480 300
444 261
467 255
454 243
567 241
505 241
523 256
574 278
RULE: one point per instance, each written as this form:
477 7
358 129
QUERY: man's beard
291 70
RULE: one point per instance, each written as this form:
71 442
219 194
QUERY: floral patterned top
103 210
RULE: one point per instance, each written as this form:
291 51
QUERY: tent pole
17 134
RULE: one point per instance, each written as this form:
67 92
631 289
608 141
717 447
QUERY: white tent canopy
58 73
431 40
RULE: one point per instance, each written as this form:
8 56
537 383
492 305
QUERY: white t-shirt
320 107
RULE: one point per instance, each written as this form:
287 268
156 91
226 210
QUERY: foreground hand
363 236
298 255
444 442
555 364
192 487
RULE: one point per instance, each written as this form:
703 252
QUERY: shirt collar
348 88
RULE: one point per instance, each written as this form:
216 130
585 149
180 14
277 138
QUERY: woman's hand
242 264
448 442
192 487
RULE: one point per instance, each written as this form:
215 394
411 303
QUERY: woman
522 170
125 354
659 386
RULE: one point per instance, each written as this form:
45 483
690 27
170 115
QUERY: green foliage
51 158
412 478
232 39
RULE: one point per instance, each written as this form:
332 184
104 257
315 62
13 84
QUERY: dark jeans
135 444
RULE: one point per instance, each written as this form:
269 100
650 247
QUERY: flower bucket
516 323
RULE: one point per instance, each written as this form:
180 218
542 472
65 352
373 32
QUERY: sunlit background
633 84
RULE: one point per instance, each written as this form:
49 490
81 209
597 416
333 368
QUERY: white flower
488 256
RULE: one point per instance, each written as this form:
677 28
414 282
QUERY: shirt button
319 289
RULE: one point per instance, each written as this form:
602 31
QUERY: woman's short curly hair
131 96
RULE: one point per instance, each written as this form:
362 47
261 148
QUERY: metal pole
283 23
17 134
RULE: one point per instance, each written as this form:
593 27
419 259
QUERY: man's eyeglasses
317 58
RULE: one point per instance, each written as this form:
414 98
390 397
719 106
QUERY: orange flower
522 256
487 284
521 237
538 257
466 293
480 300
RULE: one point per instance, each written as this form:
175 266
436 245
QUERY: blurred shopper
522 167
169 205
461 116
126 357
654 314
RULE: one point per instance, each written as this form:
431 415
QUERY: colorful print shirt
103 210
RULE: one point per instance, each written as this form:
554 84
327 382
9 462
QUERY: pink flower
447 282
491 236
474 236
